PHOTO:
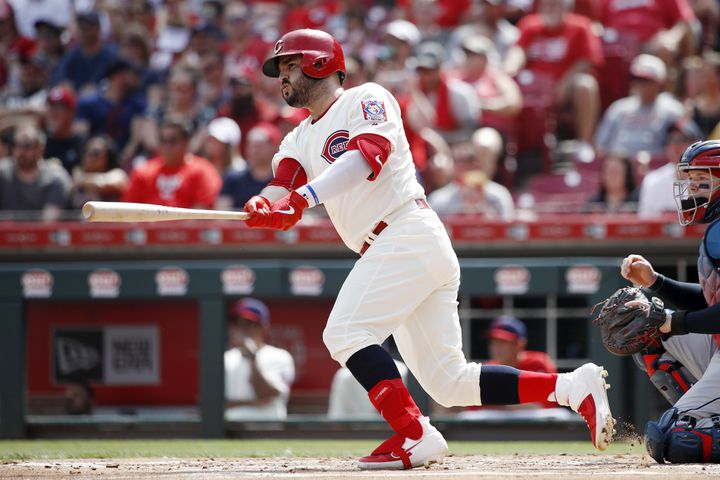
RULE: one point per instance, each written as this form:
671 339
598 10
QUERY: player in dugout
351 155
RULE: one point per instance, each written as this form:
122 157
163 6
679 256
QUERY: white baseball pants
406 285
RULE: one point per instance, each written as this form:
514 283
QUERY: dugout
151 333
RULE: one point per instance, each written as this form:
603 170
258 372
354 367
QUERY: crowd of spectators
162 101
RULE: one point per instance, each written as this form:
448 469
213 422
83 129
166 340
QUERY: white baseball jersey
316 144
278 368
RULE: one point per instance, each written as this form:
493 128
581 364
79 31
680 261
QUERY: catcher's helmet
322 55
692 208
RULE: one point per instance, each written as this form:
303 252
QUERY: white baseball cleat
588 397
399 453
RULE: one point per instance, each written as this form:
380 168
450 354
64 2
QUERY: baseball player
689 432
351 155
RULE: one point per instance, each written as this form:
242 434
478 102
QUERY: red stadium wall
177 323
296 326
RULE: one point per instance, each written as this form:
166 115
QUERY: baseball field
324 459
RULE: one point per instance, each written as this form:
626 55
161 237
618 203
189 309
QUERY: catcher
678 349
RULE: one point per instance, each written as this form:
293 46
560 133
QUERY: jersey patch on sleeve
374 110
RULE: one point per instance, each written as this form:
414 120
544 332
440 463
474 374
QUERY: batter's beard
301 92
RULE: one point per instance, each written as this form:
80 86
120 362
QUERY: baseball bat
145 212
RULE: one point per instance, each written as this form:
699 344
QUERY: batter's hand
638 271
287 211
259 209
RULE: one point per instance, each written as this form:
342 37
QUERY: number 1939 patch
374 110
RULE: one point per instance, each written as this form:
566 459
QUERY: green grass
47 449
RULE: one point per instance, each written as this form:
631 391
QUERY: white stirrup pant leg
430 342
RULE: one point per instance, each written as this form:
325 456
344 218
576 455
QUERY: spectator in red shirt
559 47
654 26
500 97
175 177
448 105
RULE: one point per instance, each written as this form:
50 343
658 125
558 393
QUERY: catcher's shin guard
678 441
667 374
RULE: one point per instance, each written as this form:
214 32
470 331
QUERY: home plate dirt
553 467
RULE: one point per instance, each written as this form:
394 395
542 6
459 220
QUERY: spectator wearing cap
28 97
240 185
396 48
204 38
28 182
437 101
639 122
507 345
175 177
656 189
500 97
99 176
222 146
115 108
29 12
557 53
49 43
87 64
258 376
490 18
246 104
63 142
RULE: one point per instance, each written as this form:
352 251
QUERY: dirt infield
455 467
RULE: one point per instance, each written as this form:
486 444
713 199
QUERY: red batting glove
259 209
287 211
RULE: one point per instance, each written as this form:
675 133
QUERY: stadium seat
566 192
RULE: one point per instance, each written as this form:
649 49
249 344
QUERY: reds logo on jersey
374 110
335 145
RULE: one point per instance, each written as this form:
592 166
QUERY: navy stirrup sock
372 365
499 385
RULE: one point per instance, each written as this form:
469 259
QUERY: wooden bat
145 212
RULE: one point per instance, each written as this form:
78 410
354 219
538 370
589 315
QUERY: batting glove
287 211
259 209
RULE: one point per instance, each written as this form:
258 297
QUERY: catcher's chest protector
708 273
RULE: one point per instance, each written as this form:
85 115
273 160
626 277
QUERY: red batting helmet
322 55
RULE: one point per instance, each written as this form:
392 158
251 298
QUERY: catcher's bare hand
637 270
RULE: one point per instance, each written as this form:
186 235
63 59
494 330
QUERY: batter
352 155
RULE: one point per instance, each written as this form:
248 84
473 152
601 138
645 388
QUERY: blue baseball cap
251 309
507 328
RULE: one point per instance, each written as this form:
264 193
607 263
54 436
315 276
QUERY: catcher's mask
697 195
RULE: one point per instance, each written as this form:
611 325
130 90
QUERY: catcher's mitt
627 330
